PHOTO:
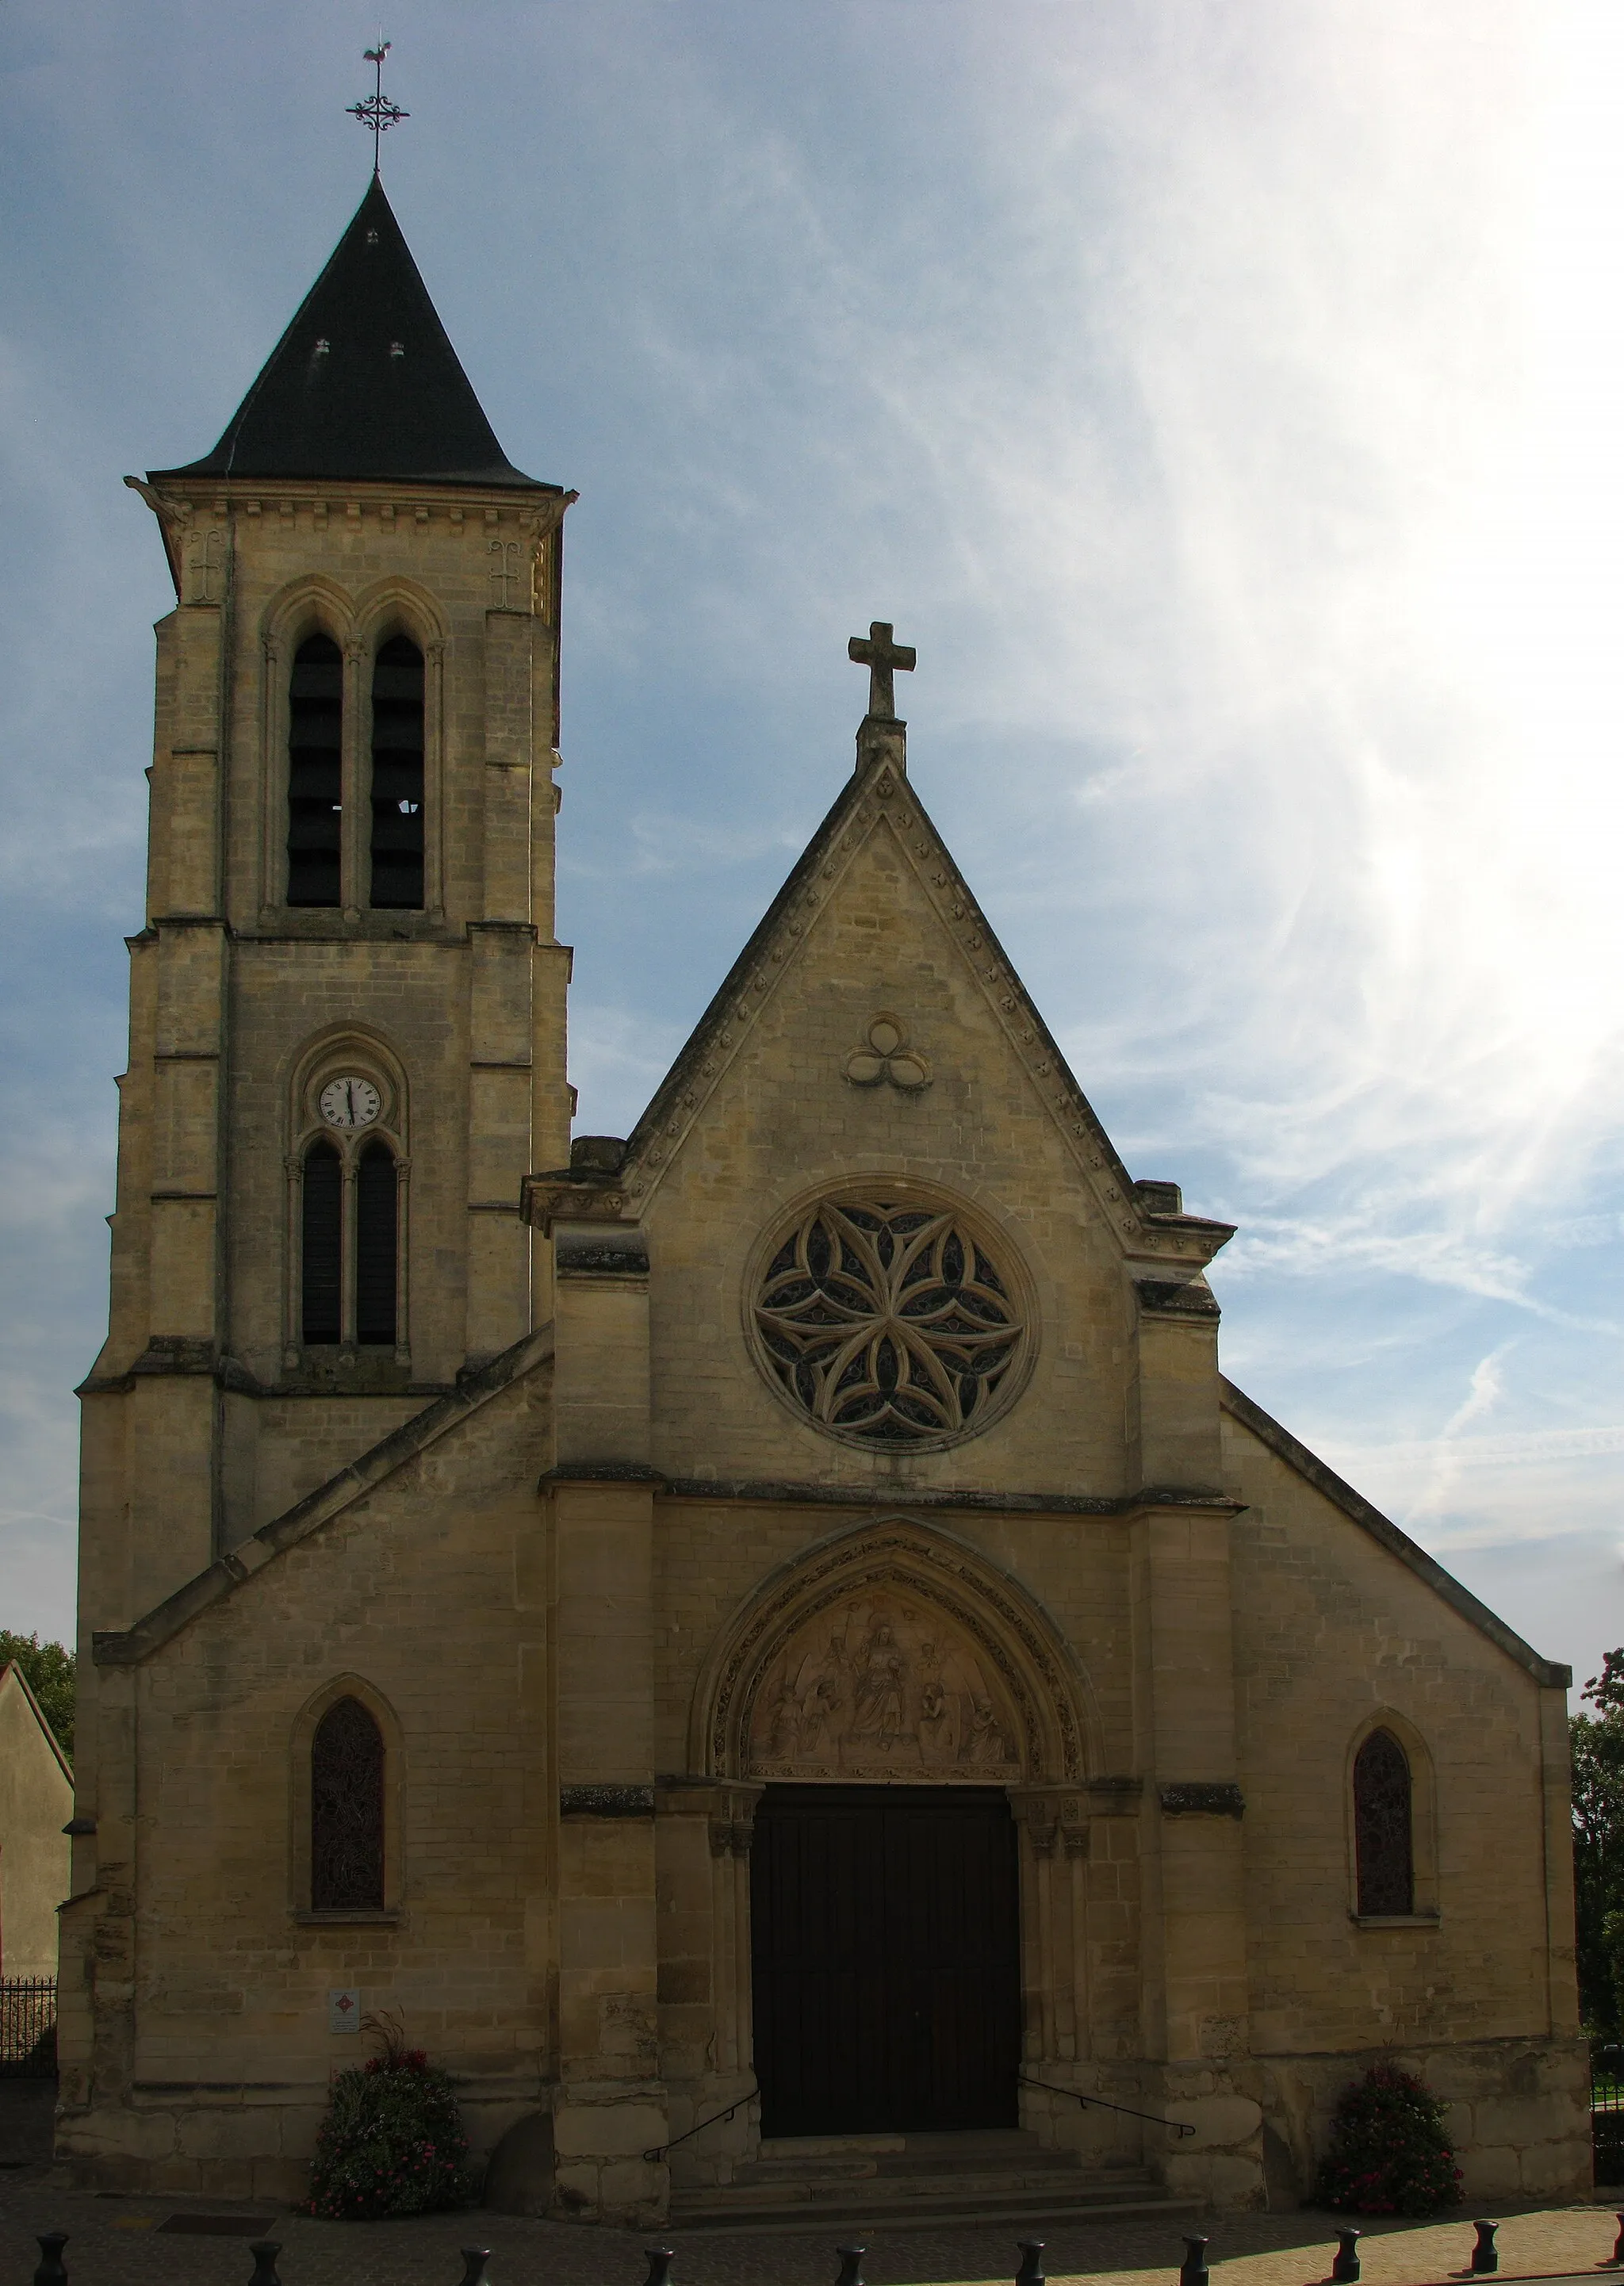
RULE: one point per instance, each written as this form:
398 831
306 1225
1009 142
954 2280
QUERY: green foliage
392 2142
1598 1849
50 1669
1390 2152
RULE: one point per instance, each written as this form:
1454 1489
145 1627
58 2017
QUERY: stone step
909 2190
710 2209
897 2166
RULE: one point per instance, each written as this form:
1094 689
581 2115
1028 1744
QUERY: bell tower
347 1001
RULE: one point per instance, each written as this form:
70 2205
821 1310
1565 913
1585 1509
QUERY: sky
1226 403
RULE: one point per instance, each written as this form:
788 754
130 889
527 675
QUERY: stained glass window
1382 1805
346 1810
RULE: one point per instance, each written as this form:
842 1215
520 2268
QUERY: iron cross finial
882 656
377 112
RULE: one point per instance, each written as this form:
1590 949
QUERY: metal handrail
652 2158
1102 2103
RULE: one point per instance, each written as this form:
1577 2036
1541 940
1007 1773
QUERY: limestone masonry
783 1612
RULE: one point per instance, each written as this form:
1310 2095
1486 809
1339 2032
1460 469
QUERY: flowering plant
1390 2150
392 2142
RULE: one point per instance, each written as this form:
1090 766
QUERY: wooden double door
885 1942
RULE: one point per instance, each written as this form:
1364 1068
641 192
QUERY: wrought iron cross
882 656
377 112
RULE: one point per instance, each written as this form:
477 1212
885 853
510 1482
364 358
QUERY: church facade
750 1641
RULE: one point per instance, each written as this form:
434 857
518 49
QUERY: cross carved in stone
882 656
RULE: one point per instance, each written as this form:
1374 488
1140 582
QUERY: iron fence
27 2028
1607 2110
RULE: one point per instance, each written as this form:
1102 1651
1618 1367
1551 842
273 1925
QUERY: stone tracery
888 1322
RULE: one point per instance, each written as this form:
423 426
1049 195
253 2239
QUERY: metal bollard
1193 2269
660 2259
52 2270
1484 2257
265 2252
1345 2270
1031 2270
851 2265
474 2260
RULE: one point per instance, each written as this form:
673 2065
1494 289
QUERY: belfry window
346 1811
323 1244
375 1246
350 1230
398 776
1382 1836
315 773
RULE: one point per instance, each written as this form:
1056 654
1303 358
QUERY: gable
876 903
874 1034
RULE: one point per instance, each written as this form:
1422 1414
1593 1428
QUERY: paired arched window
349 1229
1383 1827
387 871
346 1810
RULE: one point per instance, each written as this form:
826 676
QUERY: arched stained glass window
374 1245
315 773
1383 1795
346 1810
322 1284
398 775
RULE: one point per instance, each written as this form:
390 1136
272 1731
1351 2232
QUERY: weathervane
377 112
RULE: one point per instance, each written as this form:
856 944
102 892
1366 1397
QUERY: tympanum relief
884 1688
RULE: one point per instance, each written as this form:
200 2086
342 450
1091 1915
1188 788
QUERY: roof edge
12 1666
867 778
1551 1674
131 1646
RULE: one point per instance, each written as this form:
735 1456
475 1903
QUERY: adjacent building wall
37 1799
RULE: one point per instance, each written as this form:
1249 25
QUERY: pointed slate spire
364 382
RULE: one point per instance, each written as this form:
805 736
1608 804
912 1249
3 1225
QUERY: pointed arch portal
897 1707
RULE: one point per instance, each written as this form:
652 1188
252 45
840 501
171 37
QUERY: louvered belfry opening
315 773
1382 1826
398 776
323 1244
346 1801
374 1245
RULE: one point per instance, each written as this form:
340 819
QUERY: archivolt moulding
893 1652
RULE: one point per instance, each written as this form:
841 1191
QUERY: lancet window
322 1288
315 773
346 1798
396 848
1383 1827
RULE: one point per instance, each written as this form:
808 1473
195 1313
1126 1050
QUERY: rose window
889 1323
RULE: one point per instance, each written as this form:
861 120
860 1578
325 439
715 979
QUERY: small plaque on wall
344 2011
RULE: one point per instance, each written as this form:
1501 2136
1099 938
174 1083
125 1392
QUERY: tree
48 1667
1598 1848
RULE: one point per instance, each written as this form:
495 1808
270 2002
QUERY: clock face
350 1103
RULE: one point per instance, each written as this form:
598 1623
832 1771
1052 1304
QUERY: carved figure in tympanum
883 1689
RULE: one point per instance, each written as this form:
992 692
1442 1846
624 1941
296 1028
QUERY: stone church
770 1646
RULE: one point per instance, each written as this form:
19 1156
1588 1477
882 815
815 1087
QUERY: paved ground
115 2242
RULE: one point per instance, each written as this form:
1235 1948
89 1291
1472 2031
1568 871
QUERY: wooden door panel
885 1936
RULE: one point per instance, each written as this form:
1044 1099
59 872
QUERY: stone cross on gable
882 656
